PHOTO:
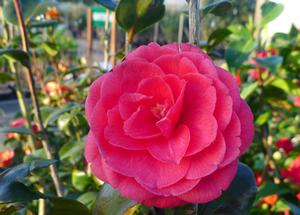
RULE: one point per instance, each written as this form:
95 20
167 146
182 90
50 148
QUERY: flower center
159 110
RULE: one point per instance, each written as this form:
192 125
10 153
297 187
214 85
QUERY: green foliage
12 190
110 4
110 202
219 8
270 11
30 8
16 55
135 15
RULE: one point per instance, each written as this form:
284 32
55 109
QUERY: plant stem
22 103
36 107
194 22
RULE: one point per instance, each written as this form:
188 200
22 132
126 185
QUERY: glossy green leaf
16 55
19 130
63 206
219 8
4 77
263 118
43 23
135 15
71 150
272 62
56 114
238 198
109 4
12 190
248 90
238 51
30 9
80 180
109 202
283 84
270 11
49 48
269 188
218 36
88 199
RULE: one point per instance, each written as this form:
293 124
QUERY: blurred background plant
72 42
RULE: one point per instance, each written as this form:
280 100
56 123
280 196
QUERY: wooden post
194 22
89 33
257 18
156 31
36 107
180 27
113 39
106 38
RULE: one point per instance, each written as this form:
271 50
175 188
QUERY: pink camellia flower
167 126
254 73
6 157
285 144
297 101
15 123
293 171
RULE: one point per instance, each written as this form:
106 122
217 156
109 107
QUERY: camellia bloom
297 101
270 200
285 144
16 123
254 73
53 88
6 157
293 171
167 126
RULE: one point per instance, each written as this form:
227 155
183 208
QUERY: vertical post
156 31
180 27
89 33
36 107
106 38
113 39
194 22
257 18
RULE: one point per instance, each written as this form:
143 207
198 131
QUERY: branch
194 22
36 107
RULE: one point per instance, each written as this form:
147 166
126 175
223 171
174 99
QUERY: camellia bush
199 127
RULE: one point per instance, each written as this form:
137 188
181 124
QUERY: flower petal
247 126
211 187
173 149
208 160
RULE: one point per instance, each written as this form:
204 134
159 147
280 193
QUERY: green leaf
55 114
238 51
71 150
135 15
272 62
17 55
80 180
30 9
218 36
63 206
269 188
283 84
109 4
248 90
263 118
270 11
109 202
43 23
19 130
4 77
49 48
12 190
88 199
238 198
219 8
